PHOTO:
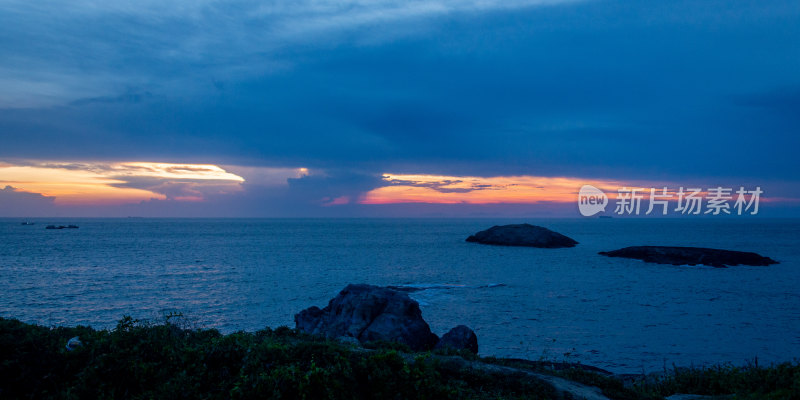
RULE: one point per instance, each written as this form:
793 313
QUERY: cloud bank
602 90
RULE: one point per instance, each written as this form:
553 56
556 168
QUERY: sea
570 304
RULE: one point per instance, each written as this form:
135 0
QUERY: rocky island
690 256
526 235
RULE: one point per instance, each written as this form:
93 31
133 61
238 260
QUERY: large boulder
369 313
690 256
522 235
459 338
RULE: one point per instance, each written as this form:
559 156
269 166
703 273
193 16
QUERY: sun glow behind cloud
480 190
97 183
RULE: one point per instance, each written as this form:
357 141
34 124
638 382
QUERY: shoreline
547 356
155 359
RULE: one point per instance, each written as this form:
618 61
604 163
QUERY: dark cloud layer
18 203
603 89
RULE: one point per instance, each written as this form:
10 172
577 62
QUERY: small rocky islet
528 235
677 255
525 235
61 227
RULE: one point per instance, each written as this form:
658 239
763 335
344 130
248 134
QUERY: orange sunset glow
118 183
479 190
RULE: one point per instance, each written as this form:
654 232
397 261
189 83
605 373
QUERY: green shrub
141 360
781 381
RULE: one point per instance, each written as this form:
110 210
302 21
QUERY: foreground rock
459 338
366 313
522 235
690 256
370 313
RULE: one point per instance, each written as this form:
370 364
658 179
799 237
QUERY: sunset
117 183
478 190
596 91
450 199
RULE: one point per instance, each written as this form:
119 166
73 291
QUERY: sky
381 108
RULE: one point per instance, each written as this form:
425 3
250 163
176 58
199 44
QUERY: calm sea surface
622 315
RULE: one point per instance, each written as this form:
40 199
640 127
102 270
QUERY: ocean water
564 304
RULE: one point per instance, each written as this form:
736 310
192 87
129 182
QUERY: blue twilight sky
687 92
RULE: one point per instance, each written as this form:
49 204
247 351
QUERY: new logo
591 200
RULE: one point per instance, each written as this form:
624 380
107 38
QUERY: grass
140 360
780 381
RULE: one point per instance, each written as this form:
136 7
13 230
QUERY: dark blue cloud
16 203
611 89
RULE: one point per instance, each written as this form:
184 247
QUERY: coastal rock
459 338
369 313
522 235
690 256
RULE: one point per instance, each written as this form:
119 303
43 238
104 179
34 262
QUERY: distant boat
28 223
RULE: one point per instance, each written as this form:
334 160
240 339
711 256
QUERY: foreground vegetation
142 360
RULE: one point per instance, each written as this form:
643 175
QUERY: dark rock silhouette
690 256
459 338
370 313
61 227
522 235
